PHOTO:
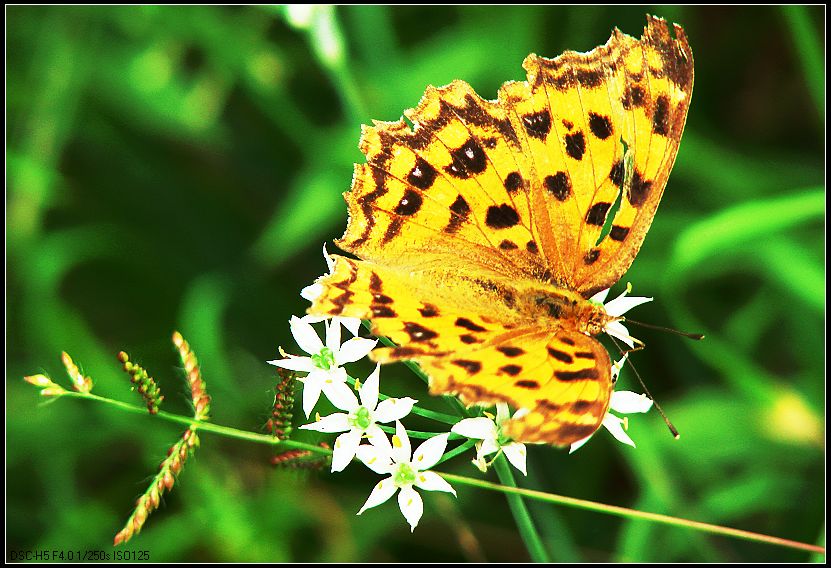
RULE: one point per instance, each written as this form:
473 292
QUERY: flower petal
579 444
600 297
411 505
503 413
615 426
381 493
480 428
311 393
617 329
487 447
339 393
295 363
430 481
332 423
393 409
354 349
401 449
305 336
346 445
623 304
617 366
333 337
429 452
378 438
375 458
515 452
351 324
311 292
329 261
627 402
369 389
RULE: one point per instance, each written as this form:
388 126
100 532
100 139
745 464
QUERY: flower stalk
80 382
143 383
199 395
164 481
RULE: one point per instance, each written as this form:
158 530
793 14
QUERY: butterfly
482 231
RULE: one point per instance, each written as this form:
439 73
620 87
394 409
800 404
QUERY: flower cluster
360 426
362 415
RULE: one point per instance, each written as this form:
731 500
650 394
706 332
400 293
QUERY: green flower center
404 475
325 359
361 418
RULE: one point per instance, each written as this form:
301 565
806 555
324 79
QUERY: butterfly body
483 229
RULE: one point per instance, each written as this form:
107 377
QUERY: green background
180 167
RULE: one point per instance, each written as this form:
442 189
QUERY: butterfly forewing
473 219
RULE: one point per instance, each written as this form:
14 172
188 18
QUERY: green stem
460 449
330 46
508 487
809 51
201 425
633 514
519 510
522 516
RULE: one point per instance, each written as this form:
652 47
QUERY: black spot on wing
383 312
582 374
537 124
591 256
639 190
428 311
472 367
600 125
596 214
633 97
616 173
419 332
589 78
510 351
560 355
393 230
576 145
513 182
422 175
467 324
618 233
558 185
512 370
501 216
469 159
410 203
460 211
660 118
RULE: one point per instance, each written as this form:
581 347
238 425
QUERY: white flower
361 420
624 402
324 363
489 430
618 307
405 472
312 291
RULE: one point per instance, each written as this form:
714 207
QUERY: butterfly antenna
660 410
696 336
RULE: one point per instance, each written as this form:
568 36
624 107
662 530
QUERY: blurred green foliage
179 167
